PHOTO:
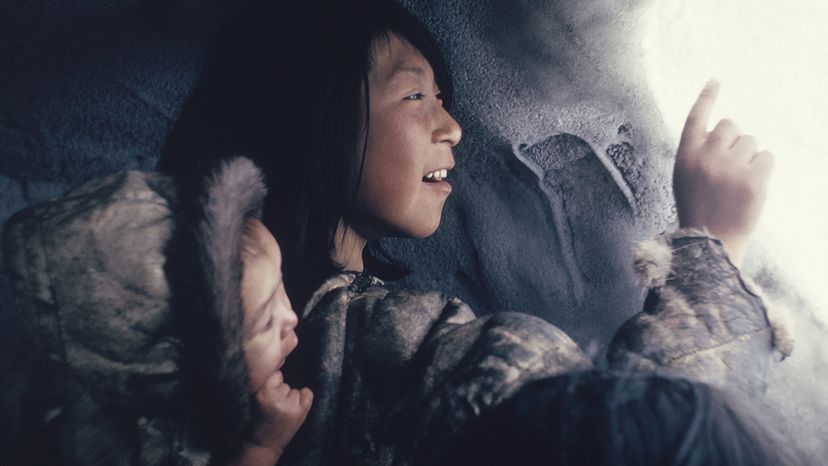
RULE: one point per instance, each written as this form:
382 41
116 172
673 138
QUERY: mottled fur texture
205 271
783 341
137 320
652 261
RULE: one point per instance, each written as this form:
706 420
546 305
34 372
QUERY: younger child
159 324
269 321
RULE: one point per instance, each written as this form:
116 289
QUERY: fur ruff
205 271
783 341
652 260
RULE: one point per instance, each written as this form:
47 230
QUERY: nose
289 322
447 129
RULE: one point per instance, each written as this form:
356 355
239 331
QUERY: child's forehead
394 56
259 242
261 262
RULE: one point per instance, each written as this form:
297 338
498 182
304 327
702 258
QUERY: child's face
269 319
410 136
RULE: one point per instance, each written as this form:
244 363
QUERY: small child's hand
283 410
720 181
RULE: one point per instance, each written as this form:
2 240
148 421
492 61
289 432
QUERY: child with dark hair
293 86
599 418
159 324
345 105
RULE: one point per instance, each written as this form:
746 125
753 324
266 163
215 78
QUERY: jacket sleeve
396 372
701 320
473 367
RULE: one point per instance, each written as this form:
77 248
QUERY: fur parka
129 290
397 374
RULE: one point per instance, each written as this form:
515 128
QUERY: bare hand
283 410
720 181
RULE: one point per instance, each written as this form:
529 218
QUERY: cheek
393 164
392 196
262 356
257 374
389 183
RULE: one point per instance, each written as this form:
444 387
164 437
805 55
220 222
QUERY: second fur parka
128 288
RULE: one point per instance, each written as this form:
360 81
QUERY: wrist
735 249
734 245
254 453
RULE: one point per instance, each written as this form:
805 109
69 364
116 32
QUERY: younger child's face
269 319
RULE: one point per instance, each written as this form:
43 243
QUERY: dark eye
417 96
269 322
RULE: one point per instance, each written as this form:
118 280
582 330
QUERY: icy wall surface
563 165
565 162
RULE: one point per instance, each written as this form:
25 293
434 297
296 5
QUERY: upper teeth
437 174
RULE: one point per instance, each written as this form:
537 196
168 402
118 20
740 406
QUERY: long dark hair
287 87
601 418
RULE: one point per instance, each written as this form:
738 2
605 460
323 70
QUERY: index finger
696 125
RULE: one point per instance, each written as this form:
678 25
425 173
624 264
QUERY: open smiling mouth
436 176
437 181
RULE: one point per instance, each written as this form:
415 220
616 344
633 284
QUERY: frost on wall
564 164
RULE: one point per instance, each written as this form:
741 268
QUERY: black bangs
391 17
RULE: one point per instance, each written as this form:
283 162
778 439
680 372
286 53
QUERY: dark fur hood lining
204 270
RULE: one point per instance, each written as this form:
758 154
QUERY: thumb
305 398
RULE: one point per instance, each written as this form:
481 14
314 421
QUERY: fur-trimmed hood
130 287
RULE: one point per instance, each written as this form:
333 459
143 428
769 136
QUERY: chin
413 226
426 230
419 231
